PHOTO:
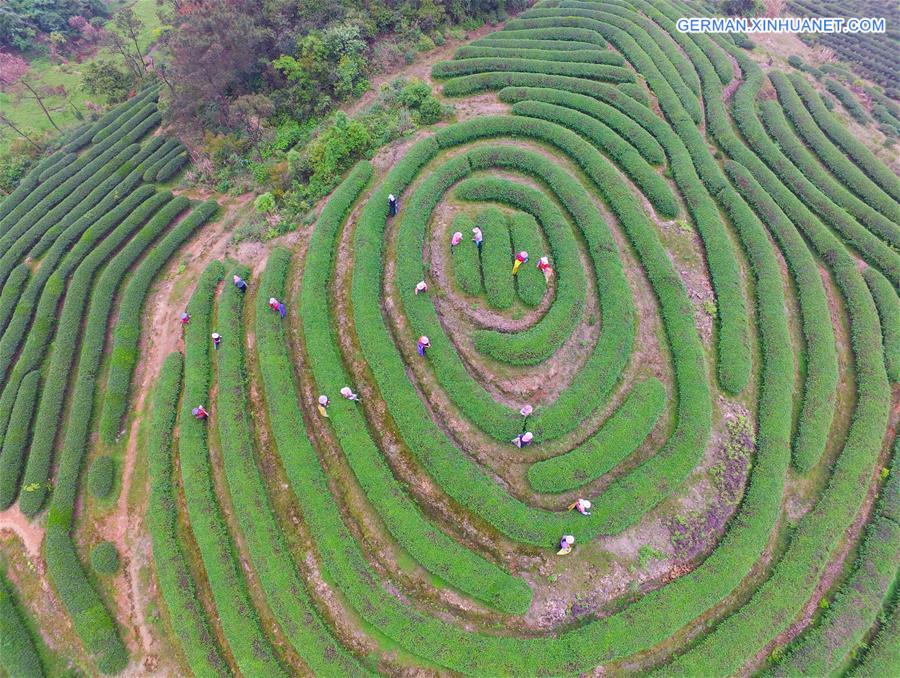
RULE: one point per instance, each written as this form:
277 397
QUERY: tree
124 39
13 75
103 78
250 112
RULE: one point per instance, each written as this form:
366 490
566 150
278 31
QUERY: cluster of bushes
127 331
63 356
846 97
430 547
877 171
186 614
249 646
780 129
16 439
831 156
537 343
618 437
102 476
621 152
42 296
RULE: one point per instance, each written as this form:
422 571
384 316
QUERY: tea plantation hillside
611 388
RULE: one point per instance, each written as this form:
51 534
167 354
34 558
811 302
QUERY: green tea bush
102 476
105 558
592 56
831 156
496 41
603 72
24 190
525 234
176 583
128 326
778 127
643 142
465 260
557 35
18 656
636 91
172 167
846 97
433 549
62 359
9 297
496 258
618 437
169 149
12 451
888 307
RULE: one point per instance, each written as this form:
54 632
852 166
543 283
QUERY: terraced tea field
713 362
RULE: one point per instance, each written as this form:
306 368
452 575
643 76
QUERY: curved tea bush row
828 646
554 37
611 352
37 337
627 499
883 655
61 185
618 437
591 56
845 96
431 548
465 260
92 621
101 476
268 551
252 651
76 199
9 297
496 41
889 312
642 140
623 154
172 167
525 234
821 362
13 448
114 118
26 186
185 612
780 130
830 155
774 604
18 656
537 343
606 23
685 75
496 251
62 363
168 150
128 326
869 246
877 171
62 161
604 72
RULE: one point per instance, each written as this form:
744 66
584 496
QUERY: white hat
523 254
272 300
586 503
346 391
424 339
323 400
391 197
569 539
421 285
526 410
527 436
216 335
